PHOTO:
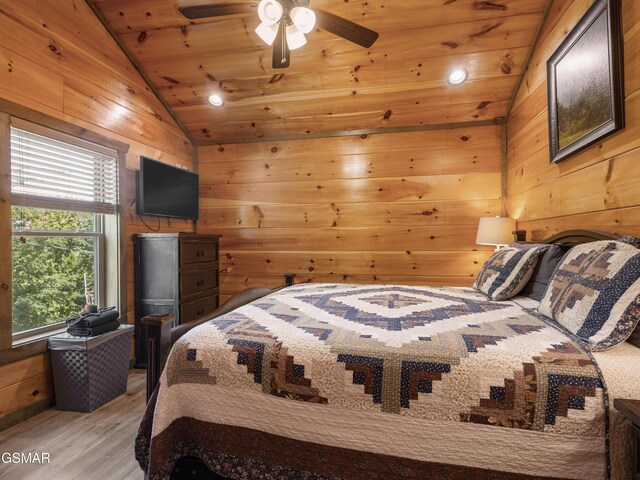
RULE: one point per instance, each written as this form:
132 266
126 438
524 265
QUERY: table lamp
496 231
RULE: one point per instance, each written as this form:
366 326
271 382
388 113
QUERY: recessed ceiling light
458 76
216 100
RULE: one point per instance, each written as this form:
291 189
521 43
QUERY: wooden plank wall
384 208
596 188
58 59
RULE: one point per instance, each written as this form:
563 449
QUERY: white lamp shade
303 18
495 231
267 32
270 11
295 38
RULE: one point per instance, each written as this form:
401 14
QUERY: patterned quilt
327 381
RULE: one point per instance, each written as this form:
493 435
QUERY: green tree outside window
49 272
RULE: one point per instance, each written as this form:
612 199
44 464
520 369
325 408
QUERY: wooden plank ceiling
332 85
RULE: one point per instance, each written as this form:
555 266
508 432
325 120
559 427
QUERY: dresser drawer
198 252
192 310
198 281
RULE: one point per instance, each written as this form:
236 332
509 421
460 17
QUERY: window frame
115 241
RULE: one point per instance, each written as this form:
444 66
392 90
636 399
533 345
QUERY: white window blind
47 172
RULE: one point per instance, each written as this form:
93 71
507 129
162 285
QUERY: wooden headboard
577 237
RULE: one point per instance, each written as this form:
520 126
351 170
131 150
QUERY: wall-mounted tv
166 191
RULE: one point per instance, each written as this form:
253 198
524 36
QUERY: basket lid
65 341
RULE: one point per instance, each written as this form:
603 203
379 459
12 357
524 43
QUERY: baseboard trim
14 418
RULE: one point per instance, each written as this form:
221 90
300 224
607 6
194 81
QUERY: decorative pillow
537 285
635 336
631 240
595 293
507 271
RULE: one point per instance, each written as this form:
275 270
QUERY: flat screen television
166 191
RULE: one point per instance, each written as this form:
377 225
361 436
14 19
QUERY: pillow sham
537 285
507 271
595 293
631 240
635 336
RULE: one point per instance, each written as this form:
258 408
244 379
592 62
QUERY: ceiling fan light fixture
267 32
303 18
295 38
270 11
457 77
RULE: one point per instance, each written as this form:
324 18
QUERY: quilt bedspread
368 381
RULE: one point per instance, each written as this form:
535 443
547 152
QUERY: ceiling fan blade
345 28
281 52
217 10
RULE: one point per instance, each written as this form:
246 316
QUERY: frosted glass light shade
270 11
295 38
303 18
495 231
267 32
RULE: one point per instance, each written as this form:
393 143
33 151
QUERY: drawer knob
200 253
200 311
199 283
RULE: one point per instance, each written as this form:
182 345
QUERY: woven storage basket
90 371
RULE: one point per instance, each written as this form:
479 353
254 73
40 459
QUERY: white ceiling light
270 11
267 32
303 18
216 100
295 38
458 76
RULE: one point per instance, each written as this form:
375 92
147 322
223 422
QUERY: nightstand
631 410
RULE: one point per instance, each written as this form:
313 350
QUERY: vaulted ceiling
332 85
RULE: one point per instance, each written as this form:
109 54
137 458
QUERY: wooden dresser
631 410
174 273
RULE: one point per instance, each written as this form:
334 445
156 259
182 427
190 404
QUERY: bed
335 381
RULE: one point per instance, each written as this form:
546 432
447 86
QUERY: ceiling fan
285 22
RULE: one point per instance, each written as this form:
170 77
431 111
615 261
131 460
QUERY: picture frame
585 91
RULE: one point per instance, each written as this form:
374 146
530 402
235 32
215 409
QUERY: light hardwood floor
82 446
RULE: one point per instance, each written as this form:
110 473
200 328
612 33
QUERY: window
55 265
64 194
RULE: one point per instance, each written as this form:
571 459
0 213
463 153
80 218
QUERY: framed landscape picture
585 82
